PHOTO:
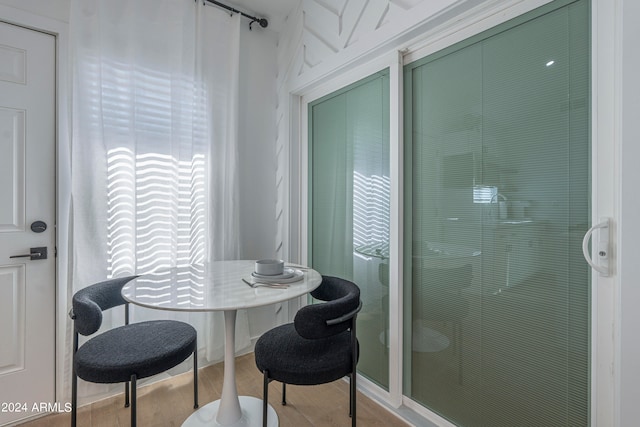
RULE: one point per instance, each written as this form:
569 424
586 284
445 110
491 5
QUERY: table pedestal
231 410
251 415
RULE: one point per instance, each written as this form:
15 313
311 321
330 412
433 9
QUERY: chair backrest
342 298
89 303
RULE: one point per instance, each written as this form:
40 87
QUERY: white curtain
154 149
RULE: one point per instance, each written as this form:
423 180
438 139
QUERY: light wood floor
170 402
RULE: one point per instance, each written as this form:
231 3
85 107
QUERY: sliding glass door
349 212
497 200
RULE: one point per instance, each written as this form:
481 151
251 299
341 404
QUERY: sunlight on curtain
154 150
146 230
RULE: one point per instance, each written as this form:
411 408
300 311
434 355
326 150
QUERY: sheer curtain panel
154 148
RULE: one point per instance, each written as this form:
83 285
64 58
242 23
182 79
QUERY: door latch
35 254
602 249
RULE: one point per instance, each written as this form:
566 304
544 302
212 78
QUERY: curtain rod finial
262 21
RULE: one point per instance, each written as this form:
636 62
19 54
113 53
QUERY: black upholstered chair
318 347
126 353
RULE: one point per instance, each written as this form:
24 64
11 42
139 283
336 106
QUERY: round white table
218 286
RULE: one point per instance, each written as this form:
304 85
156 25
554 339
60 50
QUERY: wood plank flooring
170 402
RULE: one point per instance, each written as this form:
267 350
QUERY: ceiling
274 10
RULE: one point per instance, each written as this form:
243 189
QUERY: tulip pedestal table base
231 410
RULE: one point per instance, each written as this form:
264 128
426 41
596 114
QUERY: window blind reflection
370 209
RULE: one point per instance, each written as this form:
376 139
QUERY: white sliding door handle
602 248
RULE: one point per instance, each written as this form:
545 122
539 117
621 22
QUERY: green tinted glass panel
497 201
349 194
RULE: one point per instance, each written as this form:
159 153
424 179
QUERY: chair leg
265 397
126 394
351 396
133 400
353 399
195 378
354 372
74 380
284 394
74 398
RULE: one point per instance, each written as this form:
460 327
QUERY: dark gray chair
126 353
318 347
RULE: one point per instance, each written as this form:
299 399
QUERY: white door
27 221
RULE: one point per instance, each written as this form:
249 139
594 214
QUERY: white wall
55 9
257 154
257 147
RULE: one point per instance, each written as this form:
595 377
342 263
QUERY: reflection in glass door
349 212
497 200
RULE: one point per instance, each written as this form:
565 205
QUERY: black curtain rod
263 22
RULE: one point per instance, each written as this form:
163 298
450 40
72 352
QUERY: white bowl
269 267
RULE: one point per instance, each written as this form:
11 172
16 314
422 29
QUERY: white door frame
605 184
627 90
59 30
606 41
392 61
